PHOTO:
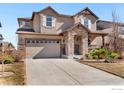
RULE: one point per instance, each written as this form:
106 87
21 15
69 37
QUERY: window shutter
82 21
53 21
44 20
89 24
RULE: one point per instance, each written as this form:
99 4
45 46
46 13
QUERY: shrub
10 59
95 53
112 55
103 53
87 56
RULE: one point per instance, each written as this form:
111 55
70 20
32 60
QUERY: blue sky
10 12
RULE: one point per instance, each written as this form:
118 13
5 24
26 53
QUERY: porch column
103 41
70 45
84 45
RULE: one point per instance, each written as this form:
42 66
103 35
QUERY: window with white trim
48 21
25 23
86 22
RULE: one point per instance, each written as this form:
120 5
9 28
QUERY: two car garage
42 48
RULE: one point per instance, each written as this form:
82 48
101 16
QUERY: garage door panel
32 51
43 50
49 50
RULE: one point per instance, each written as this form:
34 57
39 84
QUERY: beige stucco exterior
78 17
60 25
68 42
36 23
23 37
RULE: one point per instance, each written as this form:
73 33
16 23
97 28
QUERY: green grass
18 78
113 68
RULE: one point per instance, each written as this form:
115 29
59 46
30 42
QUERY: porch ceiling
93 35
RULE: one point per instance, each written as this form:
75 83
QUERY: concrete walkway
66 72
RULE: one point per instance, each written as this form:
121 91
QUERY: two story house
49 34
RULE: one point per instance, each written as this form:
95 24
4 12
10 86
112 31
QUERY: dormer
87 18
25 23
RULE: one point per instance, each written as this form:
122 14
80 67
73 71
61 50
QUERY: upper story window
48 21
86 22
25 23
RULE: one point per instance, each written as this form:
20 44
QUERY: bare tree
114 35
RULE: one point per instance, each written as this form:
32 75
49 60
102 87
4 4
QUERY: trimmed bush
112 55
102 53
95 53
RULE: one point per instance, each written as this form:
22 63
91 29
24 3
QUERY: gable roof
49 7
105 21
88 30
8 45
86 8
74 26
25 19
63 15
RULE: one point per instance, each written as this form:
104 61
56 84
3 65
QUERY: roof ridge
61 14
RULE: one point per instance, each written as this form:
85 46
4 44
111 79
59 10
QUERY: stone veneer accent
85 45
84 42
70 45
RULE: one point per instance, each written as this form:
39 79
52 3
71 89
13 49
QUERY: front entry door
77 49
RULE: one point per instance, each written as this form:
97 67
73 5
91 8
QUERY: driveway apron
66 72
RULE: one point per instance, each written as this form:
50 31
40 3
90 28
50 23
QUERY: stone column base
70 57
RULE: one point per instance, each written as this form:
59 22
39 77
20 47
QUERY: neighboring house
48 34
7 46
1 39
0 24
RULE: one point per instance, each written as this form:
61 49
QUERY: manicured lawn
18 78
114 68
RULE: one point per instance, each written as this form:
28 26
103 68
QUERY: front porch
77 41
96 40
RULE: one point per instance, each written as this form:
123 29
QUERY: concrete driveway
66 72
